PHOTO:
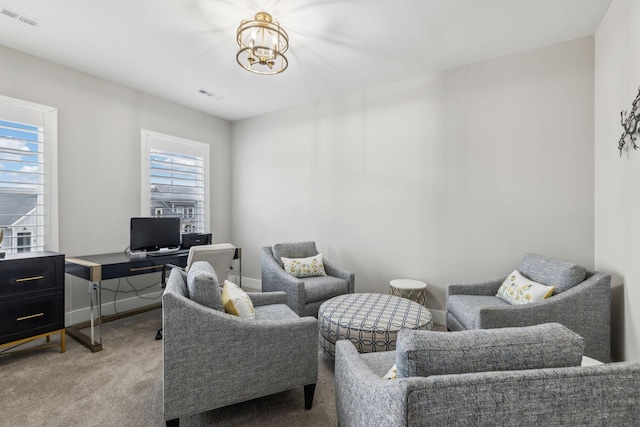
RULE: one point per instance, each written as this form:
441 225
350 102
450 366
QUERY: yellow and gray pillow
236 301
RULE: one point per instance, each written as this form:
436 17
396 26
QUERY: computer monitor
151 234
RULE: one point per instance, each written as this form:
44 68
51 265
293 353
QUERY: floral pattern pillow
304 267
517 289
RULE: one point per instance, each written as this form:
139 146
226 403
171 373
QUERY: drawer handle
27 279
151 267
30 317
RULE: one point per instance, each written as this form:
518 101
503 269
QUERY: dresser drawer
25 276
25 317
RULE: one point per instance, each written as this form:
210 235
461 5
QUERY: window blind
22 213
175 180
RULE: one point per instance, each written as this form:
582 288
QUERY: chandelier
262 45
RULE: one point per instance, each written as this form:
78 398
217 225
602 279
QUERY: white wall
99 127
450 177
617 199
445 178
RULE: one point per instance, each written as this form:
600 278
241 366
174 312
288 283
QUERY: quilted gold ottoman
370 321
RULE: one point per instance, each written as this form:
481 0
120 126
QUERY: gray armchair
581 302
306 295
498 377
213 359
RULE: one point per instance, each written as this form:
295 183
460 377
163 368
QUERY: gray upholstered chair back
552 272
293 250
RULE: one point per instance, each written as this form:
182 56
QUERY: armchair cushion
236 301
467 308
203 286
517 289
322 288
304 267
275 312
551 271
425 353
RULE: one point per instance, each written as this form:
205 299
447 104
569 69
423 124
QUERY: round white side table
414 290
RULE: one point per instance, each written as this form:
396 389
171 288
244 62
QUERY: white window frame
158 141
19 111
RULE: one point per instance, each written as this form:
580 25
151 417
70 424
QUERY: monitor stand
163 252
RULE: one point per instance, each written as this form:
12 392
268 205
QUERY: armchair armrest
334 271
552 309
274 278
483 288
362 395
267 298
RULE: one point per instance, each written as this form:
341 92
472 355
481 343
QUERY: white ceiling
174 48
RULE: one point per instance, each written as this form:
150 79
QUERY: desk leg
93 341
95 290
238 256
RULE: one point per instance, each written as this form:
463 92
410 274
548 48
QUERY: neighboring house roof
14 206
171 201
168 189
169 198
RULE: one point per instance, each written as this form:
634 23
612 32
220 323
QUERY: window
175 180
24 241
28 176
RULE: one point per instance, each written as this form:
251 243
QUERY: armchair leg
173 423
309 390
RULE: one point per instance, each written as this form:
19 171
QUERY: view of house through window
176 180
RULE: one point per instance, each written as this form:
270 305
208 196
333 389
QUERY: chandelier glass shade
262 45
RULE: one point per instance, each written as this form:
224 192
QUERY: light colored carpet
122 386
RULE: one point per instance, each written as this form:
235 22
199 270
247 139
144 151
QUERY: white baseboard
109 308
439 317
248 284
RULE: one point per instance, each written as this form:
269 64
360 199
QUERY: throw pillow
517 289
203 286
392 374
236 301
548 345
304 267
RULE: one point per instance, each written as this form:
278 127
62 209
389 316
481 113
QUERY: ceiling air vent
18 16
213 95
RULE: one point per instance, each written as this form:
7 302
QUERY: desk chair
219 256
